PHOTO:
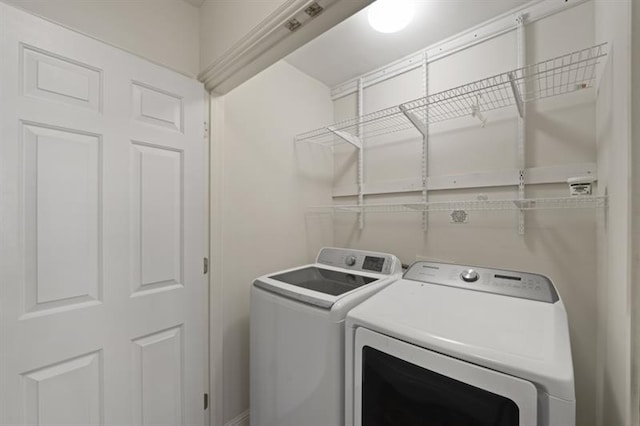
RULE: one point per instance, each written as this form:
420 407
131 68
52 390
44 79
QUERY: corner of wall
615 261
635 249
254 166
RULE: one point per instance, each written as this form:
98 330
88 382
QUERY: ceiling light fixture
390 16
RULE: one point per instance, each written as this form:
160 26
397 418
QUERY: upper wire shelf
563 74
580 202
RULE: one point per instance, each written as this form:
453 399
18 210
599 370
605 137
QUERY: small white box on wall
580 186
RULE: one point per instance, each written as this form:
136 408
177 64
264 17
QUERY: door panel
67 393
157 223
52 77
158 378
62 181
102 173
154 106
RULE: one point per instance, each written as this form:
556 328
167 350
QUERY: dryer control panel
359 260
507 283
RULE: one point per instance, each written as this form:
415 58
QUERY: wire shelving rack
561 75
579 202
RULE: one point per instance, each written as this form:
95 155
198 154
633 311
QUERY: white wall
613 133
261 185
163 31
560 244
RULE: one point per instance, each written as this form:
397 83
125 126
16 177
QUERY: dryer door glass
398 393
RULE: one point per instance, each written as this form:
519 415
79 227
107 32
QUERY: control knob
470 275
350 260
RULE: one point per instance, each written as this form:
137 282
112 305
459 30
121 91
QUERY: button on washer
469 275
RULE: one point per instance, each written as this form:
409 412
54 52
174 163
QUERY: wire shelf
565 74
581 202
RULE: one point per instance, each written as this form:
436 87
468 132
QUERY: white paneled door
102 216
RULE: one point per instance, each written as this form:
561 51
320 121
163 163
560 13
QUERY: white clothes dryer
458 345
297 335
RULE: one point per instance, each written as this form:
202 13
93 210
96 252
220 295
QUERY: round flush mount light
390 16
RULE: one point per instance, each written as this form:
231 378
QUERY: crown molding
270 41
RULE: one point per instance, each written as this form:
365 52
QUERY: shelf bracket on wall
516 95
415 120
347 137
361 153
522 119
425 140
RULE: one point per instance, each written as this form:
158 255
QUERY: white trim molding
216 264
240 420
272 25
270 41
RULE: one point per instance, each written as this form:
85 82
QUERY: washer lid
322 280
338 274
522 337
319 285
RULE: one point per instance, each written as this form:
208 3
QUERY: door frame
216 246
207 253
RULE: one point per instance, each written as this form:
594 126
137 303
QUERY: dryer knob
350 260
469 275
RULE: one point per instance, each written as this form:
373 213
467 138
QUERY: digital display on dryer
373 263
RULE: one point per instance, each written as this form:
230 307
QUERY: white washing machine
297 335
455 345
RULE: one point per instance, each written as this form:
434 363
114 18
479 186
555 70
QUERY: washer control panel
507 283
359 260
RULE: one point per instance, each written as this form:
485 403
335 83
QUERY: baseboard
240 420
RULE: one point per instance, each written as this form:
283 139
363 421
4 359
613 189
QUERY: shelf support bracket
415 120
361 153
424 129
516 95
347 137
522 120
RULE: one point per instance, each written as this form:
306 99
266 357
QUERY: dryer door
401 384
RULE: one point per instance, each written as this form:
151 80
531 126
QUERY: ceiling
353 48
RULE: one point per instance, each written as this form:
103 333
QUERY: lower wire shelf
579 202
